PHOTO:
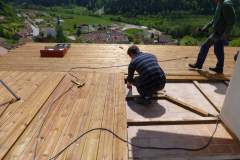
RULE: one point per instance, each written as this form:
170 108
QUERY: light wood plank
92 139
102 55
120 125
29 109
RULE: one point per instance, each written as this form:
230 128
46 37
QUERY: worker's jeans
146 93
218 42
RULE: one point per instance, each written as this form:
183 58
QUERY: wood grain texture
100 103
27 57
19 115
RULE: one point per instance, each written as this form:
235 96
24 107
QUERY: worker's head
133 51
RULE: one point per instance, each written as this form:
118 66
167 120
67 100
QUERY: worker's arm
131 70
207 26
229 17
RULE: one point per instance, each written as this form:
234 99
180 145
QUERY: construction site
76 105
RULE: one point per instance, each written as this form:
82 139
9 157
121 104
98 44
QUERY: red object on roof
57 51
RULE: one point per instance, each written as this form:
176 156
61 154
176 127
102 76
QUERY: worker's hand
203 29
225 36
129 85
199 30
125 80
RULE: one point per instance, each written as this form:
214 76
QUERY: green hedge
188 41
235 43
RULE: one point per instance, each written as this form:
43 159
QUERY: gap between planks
58 80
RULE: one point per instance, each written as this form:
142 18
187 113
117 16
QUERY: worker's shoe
195 66
236 56
217 70
143 100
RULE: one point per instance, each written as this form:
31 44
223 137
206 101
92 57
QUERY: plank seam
197 85
32 119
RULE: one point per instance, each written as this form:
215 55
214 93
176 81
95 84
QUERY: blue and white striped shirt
151 76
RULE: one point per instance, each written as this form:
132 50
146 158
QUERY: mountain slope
10 24
142 7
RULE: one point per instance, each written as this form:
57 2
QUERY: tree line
138 7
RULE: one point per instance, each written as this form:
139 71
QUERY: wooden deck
27 58
53 111
100 103
223 146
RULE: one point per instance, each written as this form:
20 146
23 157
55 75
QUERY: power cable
124 65
44 120
139 146
103 129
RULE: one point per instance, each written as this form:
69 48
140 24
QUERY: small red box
53 52
57 51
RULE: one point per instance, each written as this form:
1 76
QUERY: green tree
60 37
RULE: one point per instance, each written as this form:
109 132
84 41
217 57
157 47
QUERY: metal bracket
79 84
10 91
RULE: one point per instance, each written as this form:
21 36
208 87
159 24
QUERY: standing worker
222 25
151 77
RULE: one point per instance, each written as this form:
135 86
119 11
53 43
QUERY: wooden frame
176 101
207 120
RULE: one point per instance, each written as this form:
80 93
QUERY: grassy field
134 35
176 25
81 19
181 27
73 16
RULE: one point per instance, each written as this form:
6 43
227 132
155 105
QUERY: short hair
133 50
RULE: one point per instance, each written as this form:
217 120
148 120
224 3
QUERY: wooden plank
178 78
72 132
10 79
198 86
189 136
26 58
52 133
76 120
120 126
12 130
23 84
76 150
163 110
206 120
189 107
106 139
25 146
5 96
186 106
90 110
92 139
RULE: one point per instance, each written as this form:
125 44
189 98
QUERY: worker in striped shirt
151 77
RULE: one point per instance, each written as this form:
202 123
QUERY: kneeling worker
151 77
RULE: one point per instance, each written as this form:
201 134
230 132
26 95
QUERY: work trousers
148 92
218 42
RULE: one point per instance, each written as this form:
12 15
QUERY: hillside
139 7
10 24
178 19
